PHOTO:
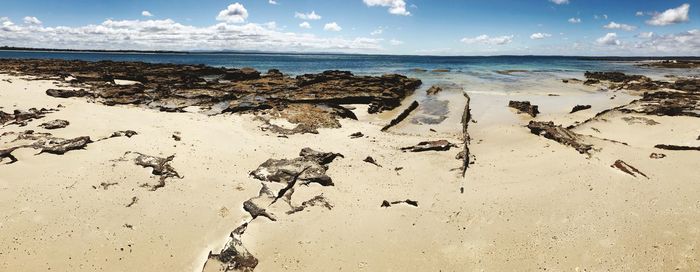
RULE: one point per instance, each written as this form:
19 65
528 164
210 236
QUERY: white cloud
539 36
613 25
645 35
639 13
574 20
234 13
305 25
671 16
376 32
684 43
395 42
30 20
272 2
307 16
146 13
332 27
604 16
486 39
170 35
397 7
559 2
609 39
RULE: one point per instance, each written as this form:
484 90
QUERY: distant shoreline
171 52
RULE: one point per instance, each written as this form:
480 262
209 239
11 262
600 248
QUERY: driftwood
401 116
559 134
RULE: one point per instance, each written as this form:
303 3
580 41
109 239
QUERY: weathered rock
311 167
630 170
434 90
401 116
615 77
386 204
22 118
67 93
318 200
657 156
678 64
440 145
241 74
234 256
466 138
254 210
55 124
666 103
371 160
7 154
59 146
524 107
580 108
161 167
677 147
124 133
357 135
559 134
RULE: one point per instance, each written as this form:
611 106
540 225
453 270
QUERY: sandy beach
526 201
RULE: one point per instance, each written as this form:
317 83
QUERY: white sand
528 203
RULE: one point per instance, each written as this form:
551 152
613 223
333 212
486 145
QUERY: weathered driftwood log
401 116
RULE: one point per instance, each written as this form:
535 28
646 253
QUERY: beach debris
433 90
160 167
22 118
176 136
311 164
386 204
580 108
524 107
356 135
59 146
318 200
559 134
371 160
133 202
571 80
401 116
55 124
630 170
123 133
677 147
440 145
667 103
657 156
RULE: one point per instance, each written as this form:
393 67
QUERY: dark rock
318 200
657 156
161 167
677 147
559 134
630 170
524 107
7 154
591 82
241 74
434 90
357 135
124 133
55 124
67 93
310 167
615 77
59 146
255 211
440 145
401 116
386 204
580 108
372 161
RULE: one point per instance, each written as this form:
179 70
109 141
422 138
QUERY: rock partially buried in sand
55 124
67 93
677 147
580 108
59 146
559 134
311 167
161 167
434 90
401 116
524 107
387 204
371 160
440 145
22 118
629 169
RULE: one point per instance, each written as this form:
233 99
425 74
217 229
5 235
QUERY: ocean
493 73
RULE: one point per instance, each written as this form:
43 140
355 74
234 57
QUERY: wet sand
526 202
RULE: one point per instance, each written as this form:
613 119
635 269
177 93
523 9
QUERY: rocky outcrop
55 124
434 90
172 88
524 107
22 118
676 64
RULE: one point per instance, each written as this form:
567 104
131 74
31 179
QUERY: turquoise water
461 70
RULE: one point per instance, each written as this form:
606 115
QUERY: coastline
526 202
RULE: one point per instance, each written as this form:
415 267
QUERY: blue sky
448 27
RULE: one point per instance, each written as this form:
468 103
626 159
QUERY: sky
405 27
